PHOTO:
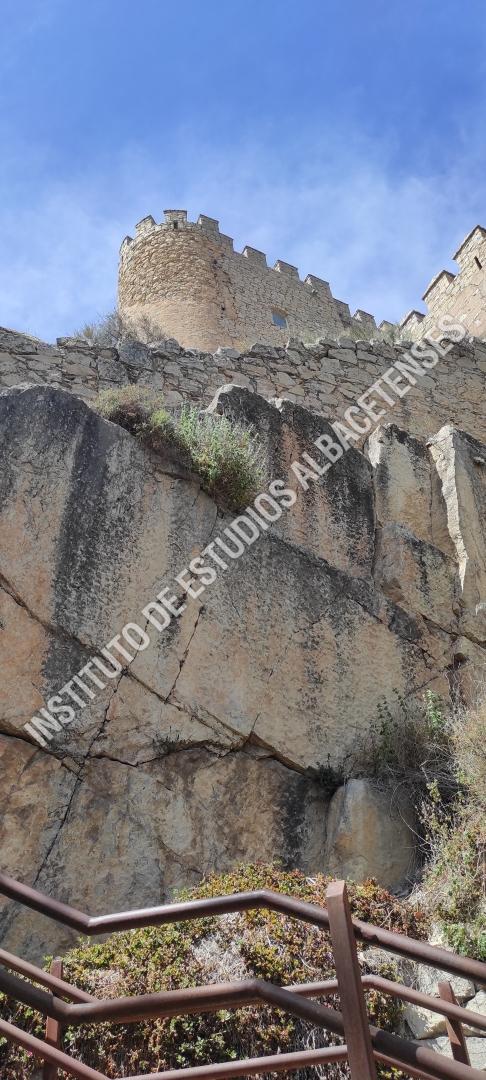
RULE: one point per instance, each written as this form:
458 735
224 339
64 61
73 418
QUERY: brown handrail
410 948
82 1008
361 1058
391 1049
167 1003
279 1063
455 1030
426 1001
275 1063
44 978
447 1070
51 1054
63 989
53 1030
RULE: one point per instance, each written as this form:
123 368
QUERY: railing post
353 1005
454 1027
53 1034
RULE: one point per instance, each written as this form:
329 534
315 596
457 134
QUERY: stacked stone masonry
461 296
187 279
325 377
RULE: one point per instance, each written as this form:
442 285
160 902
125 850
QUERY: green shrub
130 406
454 884
438 758
254 943
409 748
225 454
108 330
469 740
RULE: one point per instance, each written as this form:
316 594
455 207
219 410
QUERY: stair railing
63 1004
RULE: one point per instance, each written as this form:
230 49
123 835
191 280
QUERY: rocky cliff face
214 744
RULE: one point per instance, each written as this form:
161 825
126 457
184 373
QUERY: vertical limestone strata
216 744
460 462
336 521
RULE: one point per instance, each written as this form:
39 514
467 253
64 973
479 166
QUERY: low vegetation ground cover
453 888
437 756
257 943
107 331
225 454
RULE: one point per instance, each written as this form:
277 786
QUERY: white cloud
337 210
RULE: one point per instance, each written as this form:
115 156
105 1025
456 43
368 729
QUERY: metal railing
63 1004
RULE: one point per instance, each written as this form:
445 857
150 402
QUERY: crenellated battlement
462 295
188 277
177 219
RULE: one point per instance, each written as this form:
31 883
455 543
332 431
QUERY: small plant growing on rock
166 744
131 407
409 746
108 330
437 756
225 454
327 777
454 885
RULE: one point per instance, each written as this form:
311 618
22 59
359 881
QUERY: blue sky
346 137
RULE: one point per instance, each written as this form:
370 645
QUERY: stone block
476 1050
417 576
370 833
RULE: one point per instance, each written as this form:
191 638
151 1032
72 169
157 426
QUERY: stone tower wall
189 281
187 278
462 295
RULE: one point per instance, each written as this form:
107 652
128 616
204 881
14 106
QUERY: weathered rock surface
211 745
115 834
408 490
476 1049
369 834
336 520
425 1024
418 576
460 462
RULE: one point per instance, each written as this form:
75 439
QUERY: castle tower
187 278
460 296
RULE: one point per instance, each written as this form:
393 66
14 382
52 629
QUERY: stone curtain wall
187 278
462 295
325 377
